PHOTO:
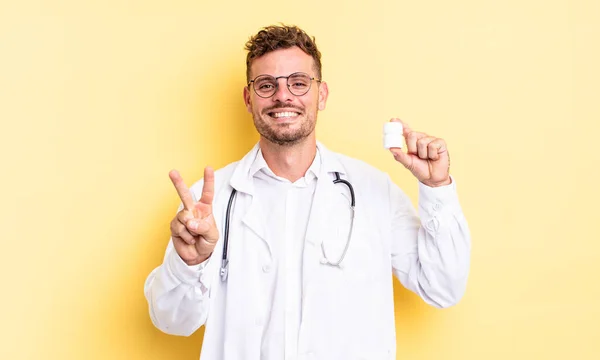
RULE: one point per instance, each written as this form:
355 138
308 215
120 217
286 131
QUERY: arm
431 255
177 294
178 290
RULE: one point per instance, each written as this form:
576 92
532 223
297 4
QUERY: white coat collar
242 179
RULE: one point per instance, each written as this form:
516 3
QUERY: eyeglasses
266 86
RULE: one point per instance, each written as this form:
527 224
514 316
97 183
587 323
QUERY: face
285 119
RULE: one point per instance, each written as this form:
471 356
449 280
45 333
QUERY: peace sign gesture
427 157
193 230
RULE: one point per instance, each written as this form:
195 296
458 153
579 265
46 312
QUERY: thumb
204 227
401 157
212 233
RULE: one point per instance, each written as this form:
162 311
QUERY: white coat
347 312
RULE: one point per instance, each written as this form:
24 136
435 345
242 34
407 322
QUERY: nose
282 94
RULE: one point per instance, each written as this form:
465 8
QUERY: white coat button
433 225
266 268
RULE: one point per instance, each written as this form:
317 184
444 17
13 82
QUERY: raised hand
426 157
193 230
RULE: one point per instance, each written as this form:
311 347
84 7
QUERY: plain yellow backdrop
100 99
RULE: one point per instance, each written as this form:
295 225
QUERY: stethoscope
325 260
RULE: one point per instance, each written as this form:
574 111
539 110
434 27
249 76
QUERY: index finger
182 190
208 189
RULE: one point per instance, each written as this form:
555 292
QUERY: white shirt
286 208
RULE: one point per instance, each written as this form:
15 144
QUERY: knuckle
186 236
176 230
183 213
184 216
174 224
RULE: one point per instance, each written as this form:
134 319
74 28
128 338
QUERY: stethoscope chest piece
224 269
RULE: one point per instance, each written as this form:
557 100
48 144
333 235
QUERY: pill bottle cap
392 127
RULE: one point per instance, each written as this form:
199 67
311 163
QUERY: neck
289 162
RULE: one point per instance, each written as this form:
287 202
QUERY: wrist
199 260
434 184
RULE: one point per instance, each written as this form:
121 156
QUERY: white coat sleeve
431 251
178 294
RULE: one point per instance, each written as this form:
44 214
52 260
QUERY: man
282 265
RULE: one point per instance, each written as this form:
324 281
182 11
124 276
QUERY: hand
426 157
193 230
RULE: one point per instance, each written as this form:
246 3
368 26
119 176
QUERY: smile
283 114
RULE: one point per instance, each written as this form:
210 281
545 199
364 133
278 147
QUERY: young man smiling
289 252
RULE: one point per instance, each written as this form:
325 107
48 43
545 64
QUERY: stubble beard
281 134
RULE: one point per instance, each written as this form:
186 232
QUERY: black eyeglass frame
287 79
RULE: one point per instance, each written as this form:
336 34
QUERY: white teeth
284 114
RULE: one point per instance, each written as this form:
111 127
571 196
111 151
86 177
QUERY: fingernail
194 225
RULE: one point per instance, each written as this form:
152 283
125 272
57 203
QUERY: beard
284 134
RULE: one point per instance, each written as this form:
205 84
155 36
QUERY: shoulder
360 170
372 185
372 180
222 176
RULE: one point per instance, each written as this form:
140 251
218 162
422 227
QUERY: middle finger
411 141
422 144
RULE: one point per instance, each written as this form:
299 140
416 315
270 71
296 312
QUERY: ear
247 99
323 94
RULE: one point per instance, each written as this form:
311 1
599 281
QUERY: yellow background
100 99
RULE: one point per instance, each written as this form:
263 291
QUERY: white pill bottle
392 135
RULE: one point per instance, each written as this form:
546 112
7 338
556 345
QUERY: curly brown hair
282 36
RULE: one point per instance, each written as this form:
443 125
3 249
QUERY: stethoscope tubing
225 260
